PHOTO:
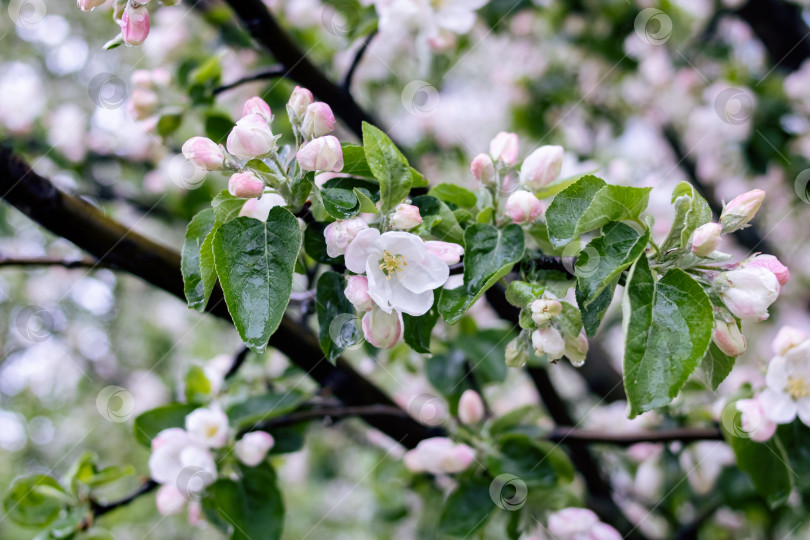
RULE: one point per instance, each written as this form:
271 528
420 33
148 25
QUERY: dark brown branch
347 80
111 242
100 509
264 28
781 28
334 413
238 360
29 262
272 72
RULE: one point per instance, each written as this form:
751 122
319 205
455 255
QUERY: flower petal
359 250
779 407
379 286
429 274
777 376
409 302
803 406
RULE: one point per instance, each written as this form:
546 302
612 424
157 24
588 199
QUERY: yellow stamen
797 387
391 264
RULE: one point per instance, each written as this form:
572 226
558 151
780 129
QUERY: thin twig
100 509
26 262
572 435
238 360
347 81
272 72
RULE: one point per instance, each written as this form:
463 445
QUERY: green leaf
438 219
467 509
453 194
691 211
557 186
197 287
485 351
332 306
603 260
197 385
217 126
417 330
447 373
389 166
30 506
226 206
315 244
366 203
668 329
716 366
253 505
255 262
521 294
490 255
340 197
613 203
257 409
169 123
765 463
355 164
570 320
535 463
300 189
150 423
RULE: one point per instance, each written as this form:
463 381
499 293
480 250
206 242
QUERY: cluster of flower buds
439 455
313 121
182 461
131 15
143 101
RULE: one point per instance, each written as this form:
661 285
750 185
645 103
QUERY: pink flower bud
547 340
205 153
142 103
300 99
753 419
318 120
135 24
771 263
706 238
406 216
382 329
741 210
483 169
357 293
321 154
728 338
257 105
523 207
470 407
87 5
252 448
541 167
748 292
245 185
169 500
504 147
260 208
787 338
544 309
339 234
570 522
439 455
449 252
251 137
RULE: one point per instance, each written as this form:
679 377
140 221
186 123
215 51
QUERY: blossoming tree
423 299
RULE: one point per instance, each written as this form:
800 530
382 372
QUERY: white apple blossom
439 455
788 386
252 448
748 292
430 19
580 524
754 420
208 427
176 454
401 272
382 329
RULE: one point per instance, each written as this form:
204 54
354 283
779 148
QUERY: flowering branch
269 73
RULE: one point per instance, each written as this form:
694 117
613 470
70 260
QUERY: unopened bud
548 340
449 252
204 152
470 407
321 154
483 169
252 448
406 216
318 120
504 147
339 234
357 293
251 137
769 262
741 210
382 329
544 309
245 185
523 207
257 105
706 238
134 24
728 338
297 106
541 167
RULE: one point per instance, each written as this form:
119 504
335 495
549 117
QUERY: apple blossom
382 329
470 407
753 419
548 340
260 208
321 154
251 137
300 99
87 5
705 239
544 309
728 338
439 455
576 349
142 103
357 293
134 23
406 216
787 338
483 169
504 147
205 153
401 272
245 185
174 451
580 524
339 234
523 207
169 500
742 209
703 462
788 386
208 427
541 167
769 262
252 448
748 291
447 251
318 120
257 105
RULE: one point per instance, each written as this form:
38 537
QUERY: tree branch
347 81
111 242
573 436
264 28
28 262
99 509
272 72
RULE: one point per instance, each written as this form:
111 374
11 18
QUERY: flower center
211 430
391 264
798 387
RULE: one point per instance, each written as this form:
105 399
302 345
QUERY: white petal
412 303
779 407
430 274
403 243
359 250
803 406
379 286
777 376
